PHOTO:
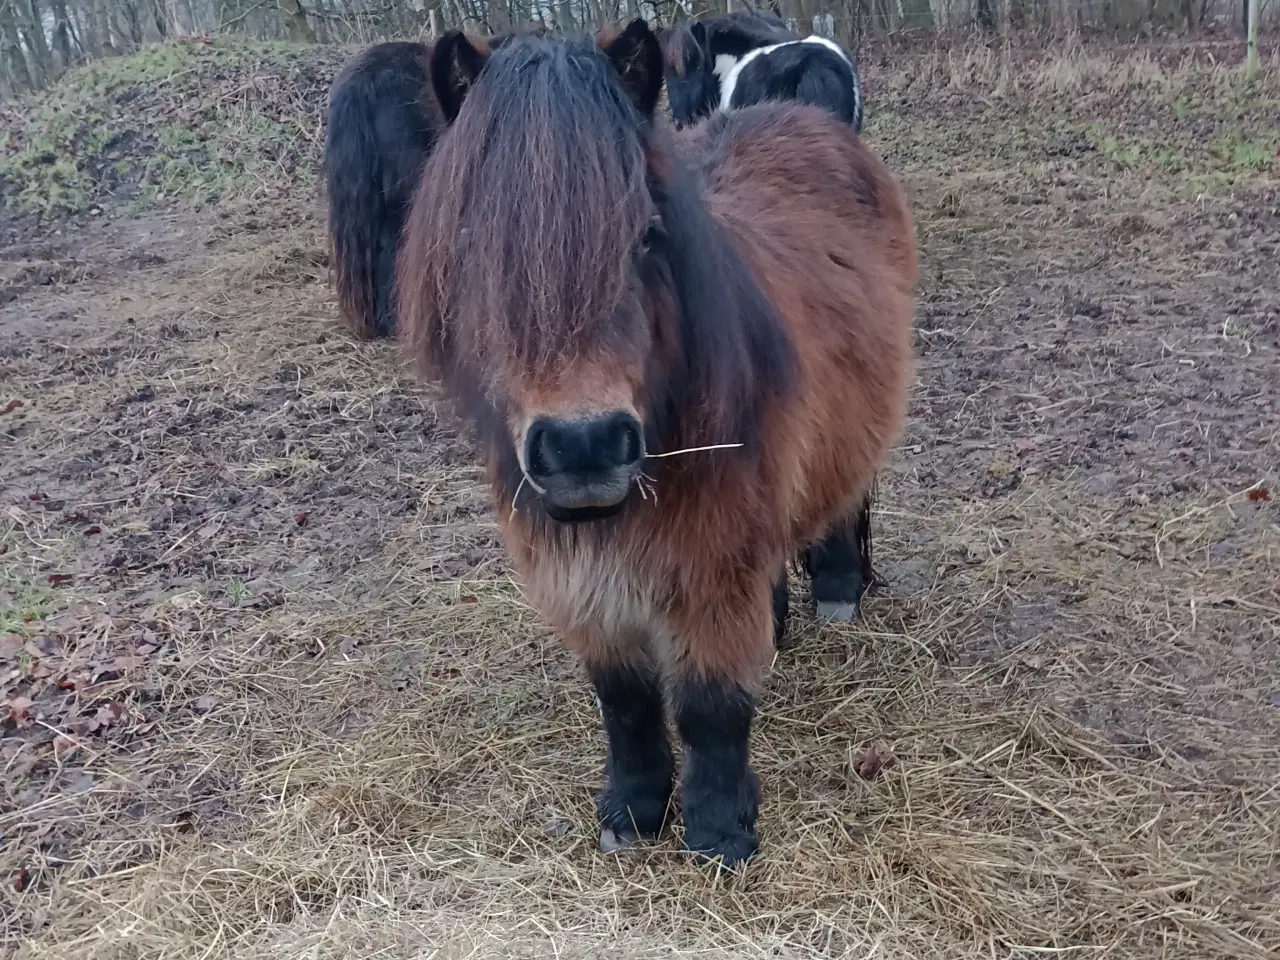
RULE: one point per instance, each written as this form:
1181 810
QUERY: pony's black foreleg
720 791
839 566
721 644
632 805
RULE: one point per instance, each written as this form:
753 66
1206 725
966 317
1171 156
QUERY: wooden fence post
1251 67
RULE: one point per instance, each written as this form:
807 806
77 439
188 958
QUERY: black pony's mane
744 30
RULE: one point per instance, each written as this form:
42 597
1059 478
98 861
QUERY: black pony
750 56
814 70
383 120
383 123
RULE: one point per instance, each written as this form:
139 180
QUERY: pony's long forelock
531 208
524 236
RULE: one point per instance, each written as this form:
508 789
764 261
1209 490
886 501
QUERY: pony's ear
698 30
637 56
455 64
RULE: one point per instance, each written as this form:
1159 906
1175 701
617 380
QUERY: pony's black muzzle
584 468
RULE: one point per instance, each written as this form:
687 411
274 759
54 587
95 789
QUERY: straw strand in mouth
676 453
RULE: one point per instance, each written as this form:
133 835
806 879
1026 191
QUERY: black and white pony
749 57
814 70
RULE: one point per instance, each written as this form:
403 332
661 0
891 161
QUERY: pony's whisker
647 490
515 500
540 491
676 453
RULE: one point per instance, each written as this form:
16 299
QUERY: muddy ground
272 692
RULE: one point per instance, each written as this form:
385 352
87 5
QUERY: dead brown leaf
873 762
110 714
19 711
128 661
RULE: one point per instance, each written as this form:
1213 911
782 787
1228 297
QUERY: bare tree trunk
100 27
61 33
14 61
33 34
121 30
325 28
295 23
496 17
162 17
805 25
86 31
75 30
132 25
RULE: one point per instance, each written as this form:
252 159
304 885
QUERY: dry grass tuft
1076 70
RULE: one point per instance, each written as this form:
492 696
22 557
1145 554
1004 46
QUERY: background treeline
39 39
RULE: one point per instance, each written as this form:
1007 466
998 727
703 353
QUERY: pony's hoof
831 611
727 851
615 841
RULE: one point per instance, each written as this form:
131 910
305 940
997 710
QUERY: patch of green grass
24 609
1245 153
237 592
1123 152
178 121
1204 164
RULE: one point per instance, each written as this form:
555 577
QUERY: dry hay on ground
280 698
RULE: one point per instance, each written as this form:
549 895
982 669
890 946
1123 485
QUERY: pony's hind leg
781 611
632 805
384 276
839 566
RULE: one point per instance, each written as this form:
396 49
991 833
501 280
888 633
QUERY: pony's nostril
629 445
539 456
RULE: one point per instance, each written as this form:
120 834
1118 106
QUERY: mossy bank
190 121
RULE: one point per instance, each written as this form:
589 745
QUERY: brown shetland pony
593 296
